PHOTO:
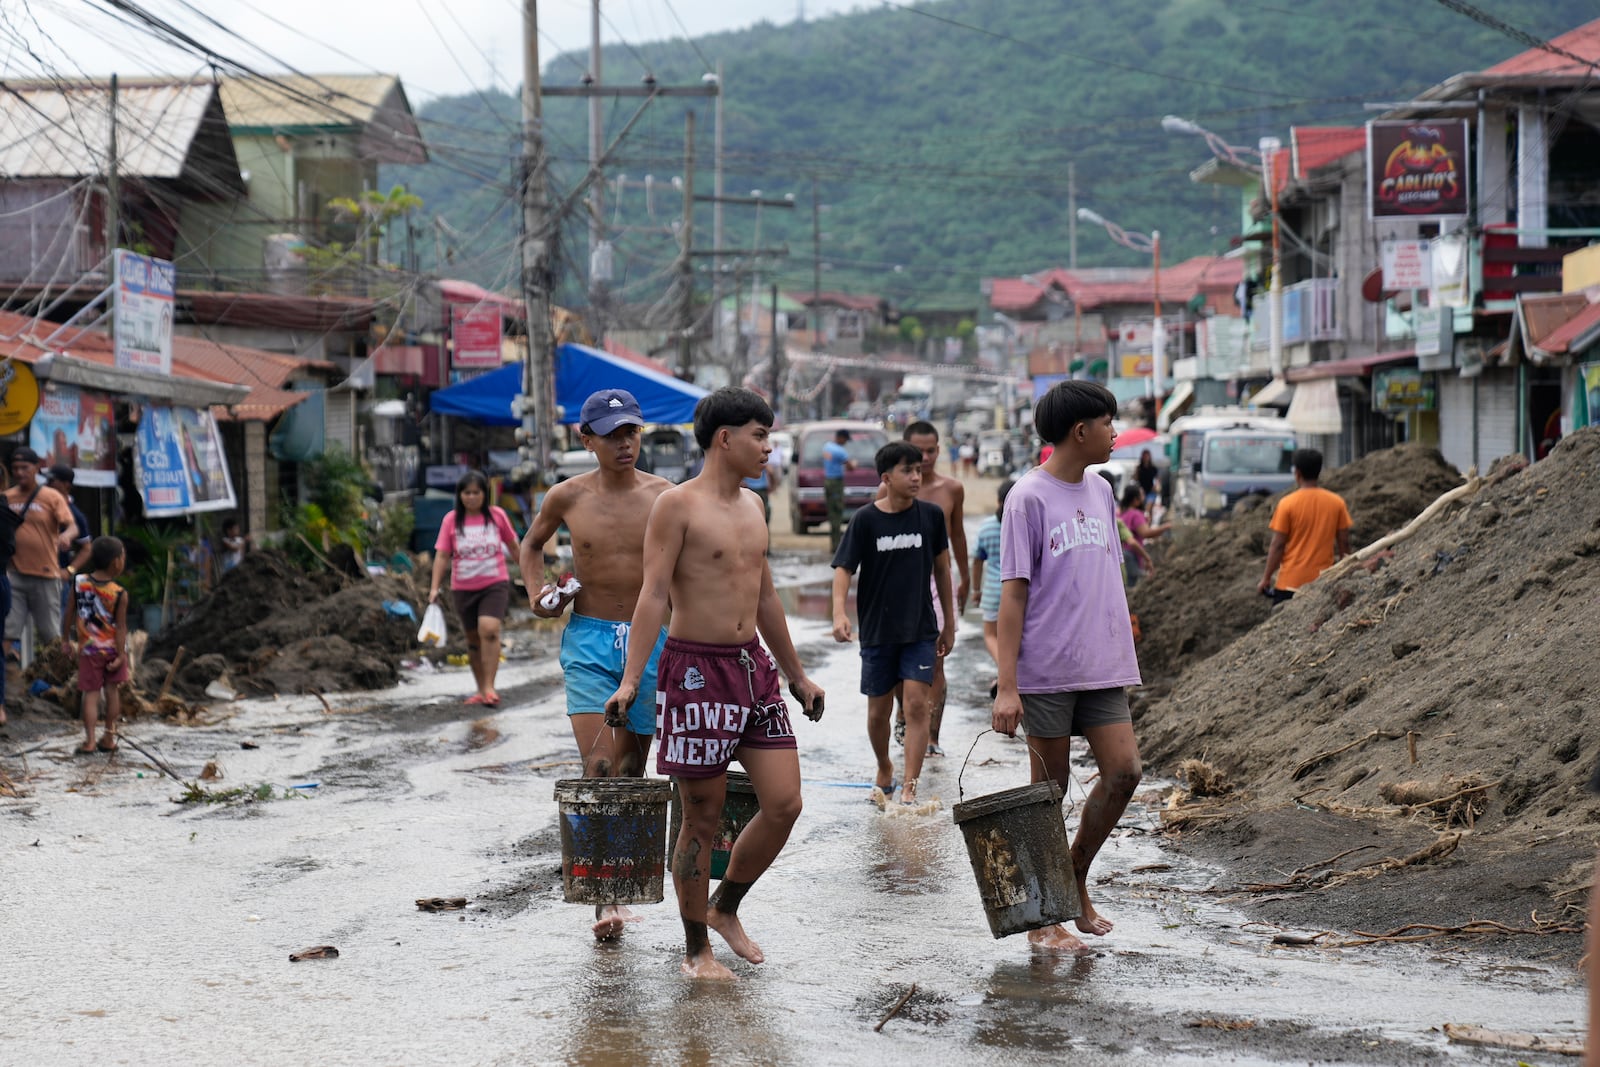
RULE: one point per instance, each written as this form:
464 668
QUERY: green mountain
939 134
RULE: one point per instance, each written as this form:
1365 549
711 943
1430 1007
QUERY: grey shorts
1064 714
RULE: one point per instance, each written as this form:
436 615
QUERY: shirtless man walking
718 698
949 495
605 512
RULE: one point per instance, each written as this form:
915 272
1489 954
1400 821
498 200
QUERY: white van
1220 456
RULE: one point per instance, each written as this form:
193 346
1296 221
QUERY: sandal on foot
492 701
82 751
934 749
888 791
475 698
103 747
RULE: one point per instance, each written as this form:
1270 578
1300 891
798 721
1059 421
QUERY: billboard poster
475 331
77 428
1407 265
146 290
1589 384
181 466
1417 170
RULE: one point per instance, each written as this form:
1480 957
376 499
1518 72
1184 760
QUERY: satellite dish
1372 287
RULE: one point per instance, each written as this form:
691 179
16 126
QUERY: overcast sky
80 36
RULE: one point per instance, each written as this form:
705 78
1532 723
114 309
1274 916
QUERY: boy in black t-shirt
899 542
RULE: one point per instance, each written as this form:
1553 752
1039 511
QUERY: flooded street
137 930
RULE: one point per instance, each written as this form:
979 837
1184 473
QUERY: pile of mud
1469 648
1203 593
273 628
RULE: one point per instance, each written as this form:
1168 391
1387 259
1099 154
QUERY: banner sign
77 428
146 290
1589 386
1417 170
1407 265
475 330
181 466
19 395
1136 366
1401 389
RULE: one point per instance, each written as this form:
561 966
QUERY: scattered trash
432 631
247 745
221 689
1466 1034
252 918
306 785
552 596
39 687
210 772
441 903
316 952
1221 1024
399 609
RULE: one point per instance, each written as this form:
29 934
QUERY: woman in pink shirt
472 543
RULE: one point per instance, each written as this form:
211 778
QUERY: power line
1523 36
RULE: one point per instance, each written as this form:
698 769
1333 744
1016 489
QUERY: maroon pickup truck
807 505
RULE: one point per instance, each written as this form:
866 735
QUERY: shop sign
1397 390
1407 265
475 332
1135 366
146 290
19 395
1417 170
77 428
180 463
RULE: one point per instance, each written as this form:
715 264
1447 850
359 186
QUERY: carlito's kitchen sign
1417 170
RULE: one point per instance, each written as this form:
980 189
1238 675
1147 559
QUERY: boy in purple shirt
1065 645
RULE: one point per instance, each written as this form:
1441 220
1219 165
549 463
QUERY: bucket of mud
613 838
737 811
1017 842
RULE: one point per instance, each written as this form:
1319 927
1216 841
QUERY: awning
1355 367
182 391
1177 403
580 371
1315 408
1276 393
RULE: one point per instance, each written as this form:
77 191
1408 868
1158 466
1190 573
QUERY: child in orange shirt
96 629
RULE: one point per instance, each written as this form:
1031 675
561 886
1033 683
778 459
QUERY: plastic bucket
613 838
737 811
1017 842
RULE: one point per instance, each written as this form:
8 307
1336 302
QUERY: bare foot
613 918
704 965
732 931
1091 921
908 791
1058 939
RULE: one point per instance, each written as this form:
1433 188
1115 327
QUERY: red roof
1560 340
1214 276
22 338
455 291
1583 41
844 300
1317 146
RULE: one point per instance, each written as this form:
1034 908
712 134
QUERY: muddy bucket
613 839
737 811
1017 842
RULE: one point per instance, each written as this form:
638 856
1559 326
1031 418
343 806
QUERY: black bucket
738 809
613 838
1017 842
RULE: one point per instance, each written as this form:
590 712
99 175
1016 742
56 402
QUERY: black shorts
490 602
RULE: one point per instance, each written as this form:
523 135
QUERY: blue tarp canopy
580 370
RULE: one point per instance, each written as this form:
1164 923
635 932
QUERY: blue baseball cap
609 408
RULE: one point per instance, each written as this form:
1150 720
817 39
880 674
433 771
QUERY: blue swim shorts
593 654
885 666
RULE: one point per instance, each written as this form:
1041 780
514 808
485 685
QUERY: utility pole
112 221
716 215
685 261
1072 216
777 356
816 269
598 196
538 416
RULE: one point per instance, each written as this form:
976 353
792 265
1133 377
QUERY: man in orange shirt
1310 529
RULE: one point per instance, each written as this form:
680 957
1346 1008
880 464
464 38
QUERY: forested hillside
939 138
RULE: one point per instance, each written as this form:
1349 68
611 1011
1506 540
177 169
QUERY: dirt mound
1468 645
1203 594
264 584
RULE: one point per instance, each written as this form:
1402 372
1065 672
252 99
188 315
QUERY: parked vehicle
1125 460
992 453
667 452
1219 458
807 505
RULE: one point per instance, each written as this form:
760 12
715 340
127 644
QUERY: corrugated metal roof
51 132
1583 41
373 104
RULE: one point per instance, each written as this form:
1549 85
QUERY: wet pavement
137 930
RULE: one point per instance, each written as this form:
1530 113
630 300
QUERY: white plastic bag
432 631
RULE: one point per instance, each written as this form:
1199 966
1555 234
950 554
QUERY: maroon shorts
92 673
710 700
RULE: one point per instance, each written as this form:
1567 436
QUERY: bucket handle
1035 753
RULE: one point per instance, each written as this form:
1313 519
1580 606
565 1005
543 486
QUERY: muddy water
139 931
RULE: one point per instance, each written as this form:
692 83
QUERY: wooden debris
1355 559
211 772
315 952
1203 779
1221 1024
1298 940
896 1009
172 673
1305 767
1467 1034
1459 801
1412 932
441 903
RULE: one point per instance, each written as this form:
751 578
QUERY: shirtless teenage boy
605 511
949 495
718 697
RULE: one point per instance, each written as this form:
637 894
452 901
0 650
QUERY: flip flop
492 702
889 792
81 751
103 747
475 698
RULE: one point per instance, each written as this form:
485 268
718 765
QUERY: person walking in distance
605 511
835 461
899 544
1310 530
1065 639
950 496
47 529
96 634
717 699
472 546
